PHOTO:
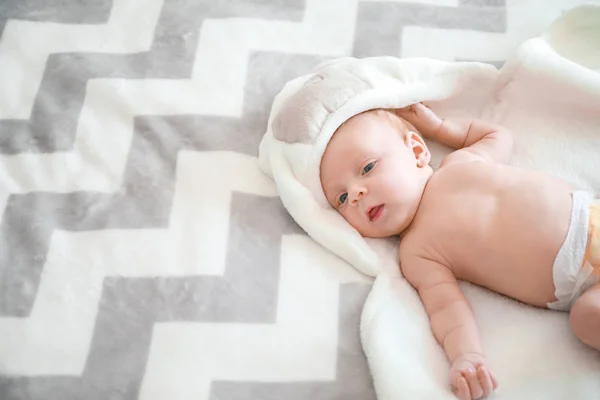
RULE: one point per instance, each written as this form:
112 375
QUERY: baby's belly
527 278
516 258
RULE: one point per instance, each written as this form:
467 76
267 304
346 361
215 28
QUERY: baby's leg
585 317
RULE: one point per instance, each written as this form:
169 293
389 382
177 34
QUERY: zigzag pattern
144 246
380 26
76 353
66 75
145 195
81 12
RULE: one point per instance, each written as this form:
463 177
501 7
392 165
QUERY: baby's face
374 174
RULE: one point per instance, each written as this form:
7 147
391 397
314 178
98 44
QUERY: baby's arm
489 141
453 325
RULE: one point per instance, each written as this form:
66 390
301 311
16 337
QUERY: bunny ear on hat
309 109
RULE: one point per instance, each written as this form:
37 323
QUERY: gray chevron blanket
143 254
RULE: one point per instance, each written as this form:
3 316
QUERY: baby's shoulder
451 167
414 242
453 177
418 260
462 156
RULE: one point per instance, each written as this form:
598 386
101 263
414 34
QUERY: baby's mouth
374 213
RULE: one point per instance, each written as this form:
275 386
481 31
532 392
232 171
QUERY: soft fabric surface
143 255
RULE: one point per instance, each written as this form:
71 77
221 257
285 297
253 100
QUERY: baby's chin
379 233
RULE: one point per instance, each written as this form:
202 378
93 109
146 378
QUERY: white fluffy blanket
549 95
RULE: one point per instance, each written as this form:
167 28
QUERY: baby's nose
357 194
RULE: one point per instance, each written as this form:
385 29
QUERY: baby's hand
425 120
470 379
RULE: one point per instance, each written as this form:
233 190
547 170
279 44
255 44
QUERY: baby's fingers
419 108
463 389
476 390
408 111
494 381
486 380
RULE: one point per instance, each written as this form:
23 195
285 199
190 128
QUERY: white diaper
572 271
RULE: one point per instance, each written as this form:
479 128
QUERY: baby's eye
343 198
368 167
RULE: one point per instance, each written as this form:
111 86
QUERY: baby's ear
416 143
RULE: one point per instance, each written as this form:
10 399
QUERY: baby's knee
585 320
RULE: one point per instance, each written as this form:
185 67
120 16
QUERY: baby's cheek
357 223
349 217
399 188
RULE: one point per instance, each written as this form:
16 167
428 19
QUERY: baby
521 233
